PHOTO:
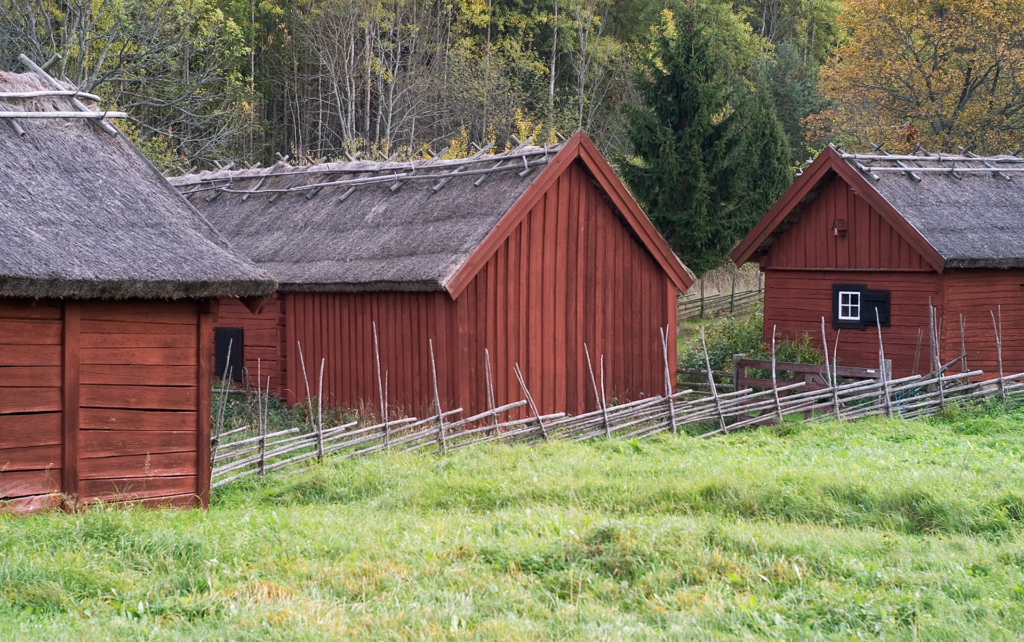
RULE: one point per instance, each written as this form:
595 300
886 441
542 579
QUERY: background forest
707 108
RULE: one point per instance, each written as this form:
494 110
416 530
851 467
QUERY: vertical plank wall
808 257
139 401
570 273
30 404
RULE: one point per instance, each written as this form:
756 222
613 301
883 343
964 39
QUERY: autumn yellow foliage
941 74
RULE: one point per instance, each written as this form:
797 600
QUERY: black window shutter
222 338
844 323
875 299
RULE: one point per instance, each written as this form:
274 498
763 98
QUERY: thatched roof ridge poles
947 170
370 180
244 174
501 162
1005 158
458 170
95 115
64 93
899 163
989 165
48 79
18 129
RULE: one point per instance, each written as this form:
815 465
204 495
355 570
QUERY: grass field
873 530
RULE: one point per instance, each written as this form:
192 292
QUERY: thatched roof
373 226
971 210
84 215
960 211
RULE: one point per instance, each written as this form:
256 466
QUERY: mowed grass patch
870 530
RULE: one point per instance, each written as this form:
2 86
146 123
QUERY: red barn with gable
860 232
109 289
530 254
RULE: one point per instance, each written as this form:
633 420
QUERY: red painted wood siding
139 374
570 273
264 338
795 303
133 433
975 294
869 243
30 404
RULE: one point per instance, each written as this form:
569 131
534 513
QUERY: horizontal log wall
31 404
100 401
264 338
570 273
139 366
795 302
976 294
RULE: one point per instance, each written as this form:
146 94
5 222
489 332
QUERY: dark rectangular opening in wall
855 306
223 338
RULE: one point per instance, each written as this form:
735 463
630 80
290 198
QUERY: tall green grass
872 530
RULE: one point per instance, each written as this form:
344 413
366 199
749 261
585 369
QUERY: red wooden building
529 254
860 232
109 288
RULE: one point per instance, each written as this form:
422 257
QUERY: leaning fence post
998 330
831 372
963 347
533 406
598 396
490 392
380 388
668 381
604 403
259 421
835 369
222 406
305 378
441 441
881 367
319 412
775 385
711 382
936 359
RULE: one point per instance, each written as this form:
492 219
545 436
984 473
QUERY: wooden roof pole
48 79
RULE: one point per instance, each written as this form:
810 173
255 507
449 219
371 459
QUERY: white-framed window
849 305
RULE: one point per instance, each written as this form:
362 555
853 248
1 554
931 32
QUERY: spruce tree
710 156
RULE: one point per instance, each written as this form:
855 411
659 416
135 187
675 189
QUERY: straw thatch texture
84 215
974 219
367 236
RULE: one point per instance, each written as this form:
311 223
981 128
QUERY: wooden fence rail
825 392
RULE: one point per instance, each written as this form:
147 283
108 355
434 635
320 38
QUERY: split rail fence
826 392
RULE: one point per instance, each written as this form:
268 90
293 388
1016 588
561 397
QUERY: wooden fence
826 392
696 306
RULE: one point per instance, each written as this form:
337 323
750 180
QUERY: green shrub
727 336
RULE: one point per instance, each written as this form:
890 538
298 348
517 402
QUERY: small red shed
109 289
860 232
529 254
